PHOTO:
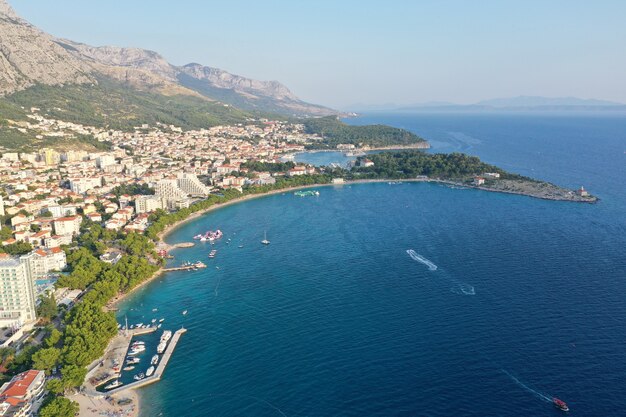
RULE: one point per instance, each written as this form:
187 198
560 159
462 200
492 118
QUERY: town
50 198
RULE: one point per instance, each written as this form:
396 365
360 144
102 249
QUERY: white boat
166 336
184 312
161 320
265 241
132 361
159 326
139 376
128 368
153 320
150 371
155 360
114 384
137 350
161 347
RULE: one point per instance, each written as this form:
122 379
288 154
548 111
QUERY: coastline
161 244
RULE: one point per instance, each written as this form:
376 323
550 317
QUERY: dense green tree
55 386
17 248
59 407
46 359
47 307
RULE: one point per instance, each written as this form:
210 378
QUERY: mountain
30 58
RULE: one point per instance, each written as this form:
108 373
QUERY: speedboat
114 384
128 368
132 361
184 312
560 404
154 360
150 371
139 376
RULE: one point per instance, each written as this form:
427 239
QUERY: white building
104 160
148 203
191 185
82 185
17 293
23 394
41 262
67 226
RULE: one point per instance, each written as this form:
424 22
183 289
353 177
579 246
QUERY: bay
335 318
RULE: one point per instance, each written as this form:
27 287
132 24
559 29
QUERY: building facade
17 292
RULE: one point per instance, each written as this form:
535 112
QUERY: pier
158 373
190 267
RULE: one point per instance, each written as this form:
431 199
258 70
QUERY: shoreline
161 244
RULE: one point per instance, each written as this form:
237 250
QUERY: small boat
159 326
154 360
560 404
114 384
212 253
153 321
139 376
128 368
161 320
240 246
132 360
154 310
265 241
184 312
150 371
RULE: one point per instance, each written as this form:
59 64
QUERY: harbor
160 369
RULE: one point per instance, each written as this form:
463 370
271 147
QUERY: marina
156 374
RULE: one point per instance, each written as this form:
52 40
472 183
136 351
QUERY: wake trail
538 394
459 287
419 258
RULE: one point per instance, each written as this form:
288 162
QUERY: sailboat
265 241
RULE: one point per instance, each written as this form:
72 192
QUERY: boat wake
419 258
541 396
464 289
459 287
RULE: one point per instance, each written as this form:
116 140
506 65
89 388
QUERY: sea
411 299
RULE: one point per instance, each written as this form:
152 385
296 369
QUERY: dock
190 267
158 373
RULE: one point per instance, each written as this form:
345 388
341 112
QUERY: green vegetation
335 132
58 407
47 308
17 248
112 105
258 166
132 189
409 164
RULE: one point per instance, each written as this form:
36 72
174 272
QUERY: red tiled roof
18 387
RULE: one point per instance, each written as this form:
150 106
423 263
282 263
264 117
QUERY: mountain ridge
29 56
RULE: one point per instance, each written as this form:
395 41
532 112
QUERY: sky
343 52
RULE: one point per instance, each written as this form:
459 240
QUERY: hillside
32 59
334 132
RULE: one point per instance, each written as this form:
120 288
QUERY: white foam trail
464 289
541 396
419 258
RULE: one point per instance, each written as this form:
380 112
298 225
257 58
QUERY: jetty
158 373
186 267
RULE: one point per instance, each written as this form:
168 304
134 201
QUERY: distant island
508 104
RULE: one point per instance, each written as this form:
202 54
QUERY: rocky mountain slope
29 56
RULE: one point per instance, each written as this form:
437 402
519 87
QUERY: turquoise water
335 318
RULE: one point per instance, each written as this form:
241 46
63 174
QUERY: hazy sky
358 51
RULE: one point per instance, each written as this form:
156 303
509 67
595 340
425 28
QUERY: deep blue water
334 318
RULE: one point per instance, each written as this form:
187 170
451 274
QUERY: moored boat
150 371
114 384
154 360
